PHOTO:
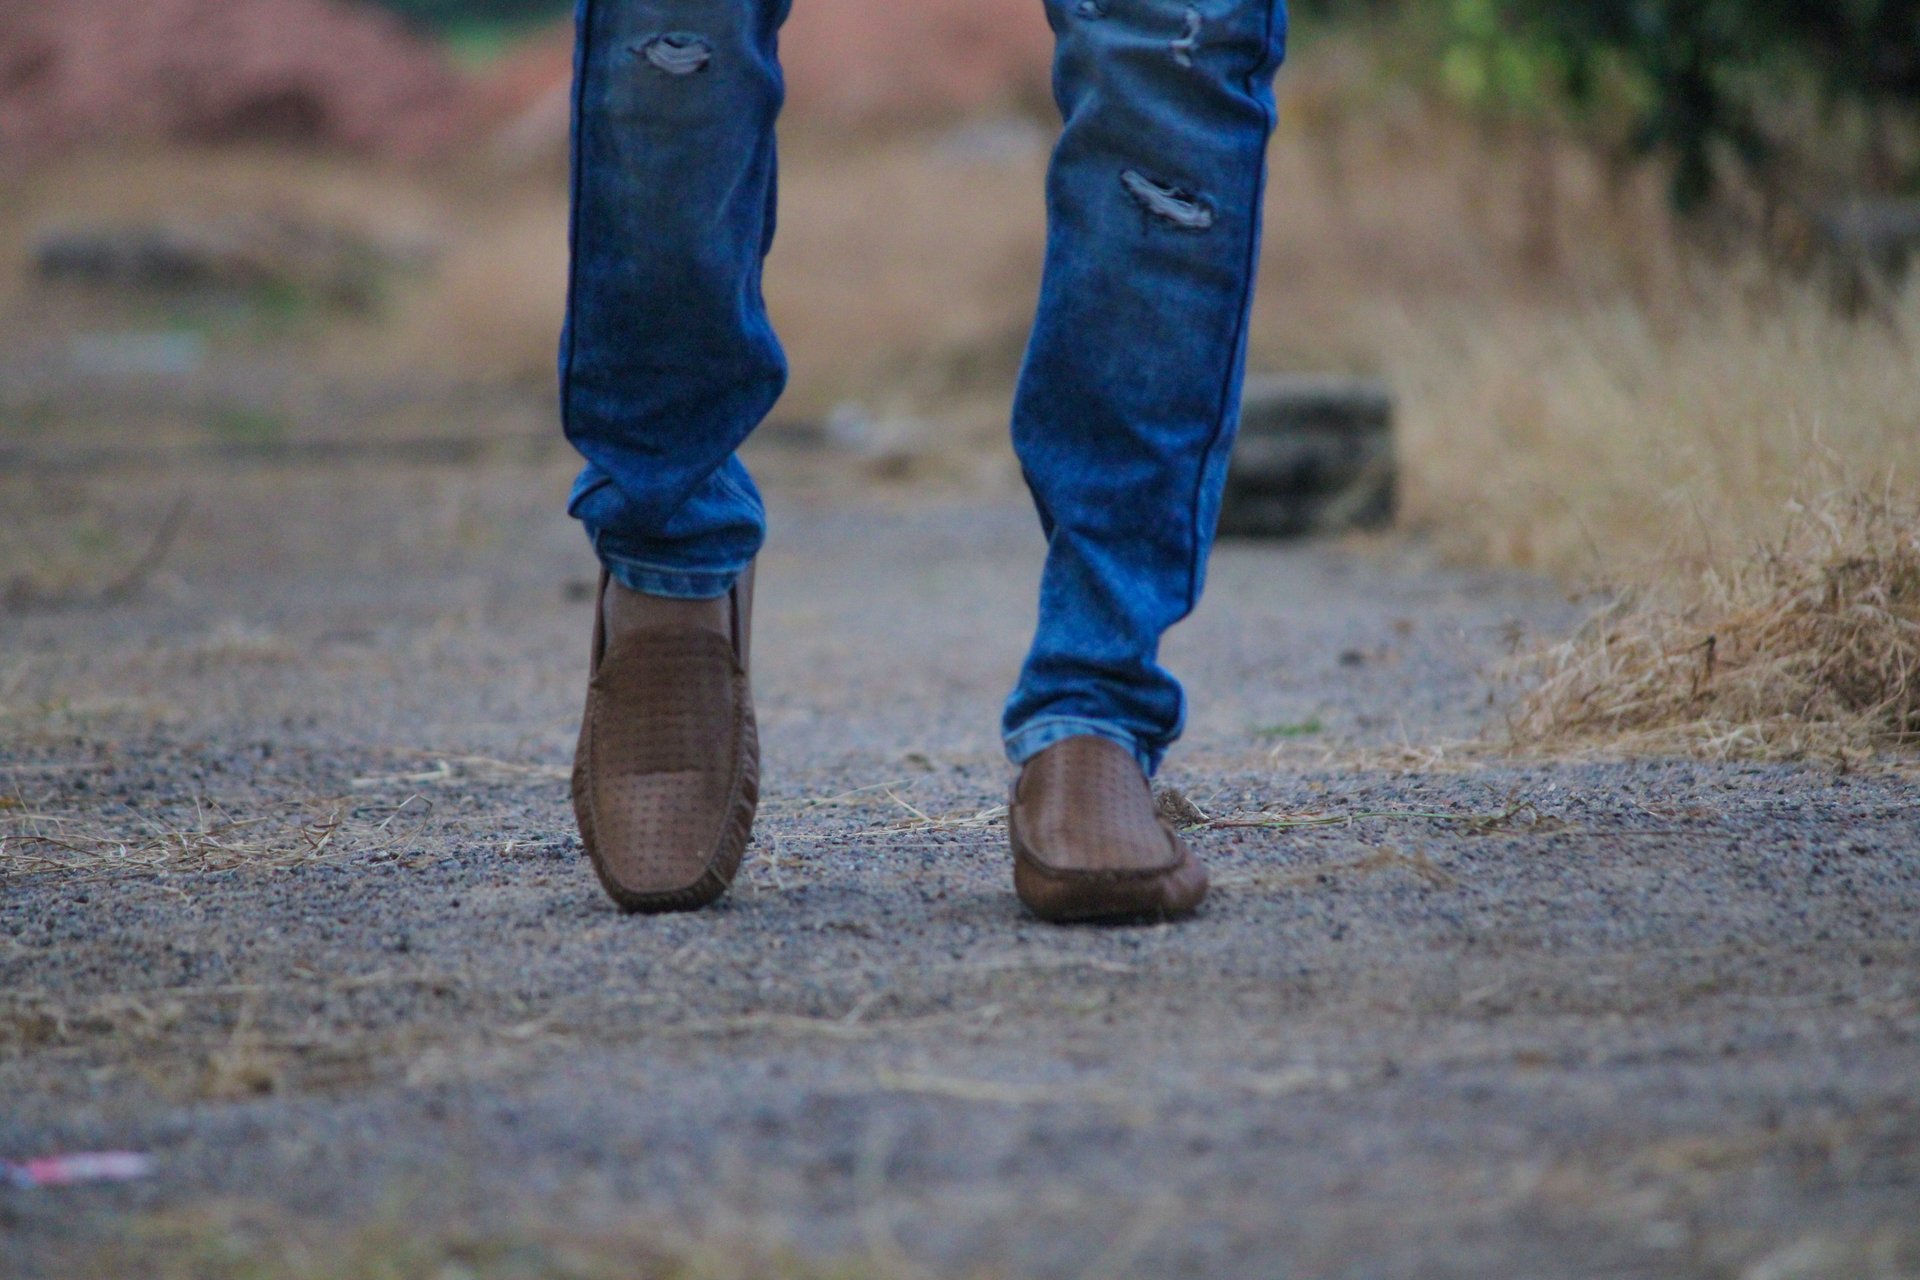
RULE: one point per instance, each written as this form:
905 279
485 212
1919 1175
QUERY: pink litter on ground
77 1168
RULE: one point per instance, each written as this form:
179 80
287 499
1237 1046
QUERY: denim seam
1235 358
724 478
575 143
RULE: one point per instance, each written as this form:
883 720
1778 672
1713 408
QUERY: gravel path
312 927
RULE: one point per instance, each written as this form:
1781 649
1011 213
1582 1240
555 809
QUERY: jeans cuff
1035 736
659 580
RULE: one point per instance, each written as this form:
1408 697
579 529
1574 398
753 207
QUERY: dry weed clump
1808 648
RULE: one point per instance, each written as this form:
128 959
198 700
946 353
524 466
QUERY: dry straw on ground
276 836
240 1240
1808 648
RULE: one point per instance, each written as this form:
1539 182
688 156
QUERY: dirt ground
292 901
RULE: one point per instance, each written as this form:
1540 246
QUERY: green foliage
1702 64
1688 81
1300 729
1492 64
1711 66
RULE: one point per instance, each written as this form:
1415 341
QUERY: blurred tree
1698 83
1695 62
1707 70
1866 51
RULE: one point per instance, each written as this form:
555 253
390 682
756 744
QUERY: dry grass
1809 647
35 839
252 1242
1586 390
1603 443
1382 858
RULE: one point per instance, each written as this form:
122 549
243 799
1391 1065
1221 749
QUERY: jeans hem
1030 739
659 580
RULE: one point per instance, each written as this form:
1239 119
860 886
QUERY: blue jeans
1129 396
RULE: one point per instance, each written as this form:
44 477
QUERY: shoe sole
1106 897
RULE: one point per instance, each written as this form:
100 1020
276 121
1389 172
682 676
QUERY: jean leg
668 359
1129 397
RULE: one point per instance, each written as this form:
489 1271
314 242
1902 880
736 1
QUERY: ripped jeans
1129 395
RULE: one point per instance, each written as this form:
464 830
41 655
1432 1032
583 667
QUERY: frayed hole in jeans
1173 205
1188 44
677 53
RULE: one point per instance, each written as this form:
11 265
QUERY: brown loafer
1087 844
667 774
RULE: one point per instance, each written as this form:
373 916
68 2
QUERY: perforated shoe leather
1087 844
666 776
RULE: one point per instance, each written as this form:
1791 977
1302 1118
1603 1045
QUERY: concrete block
1315 455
